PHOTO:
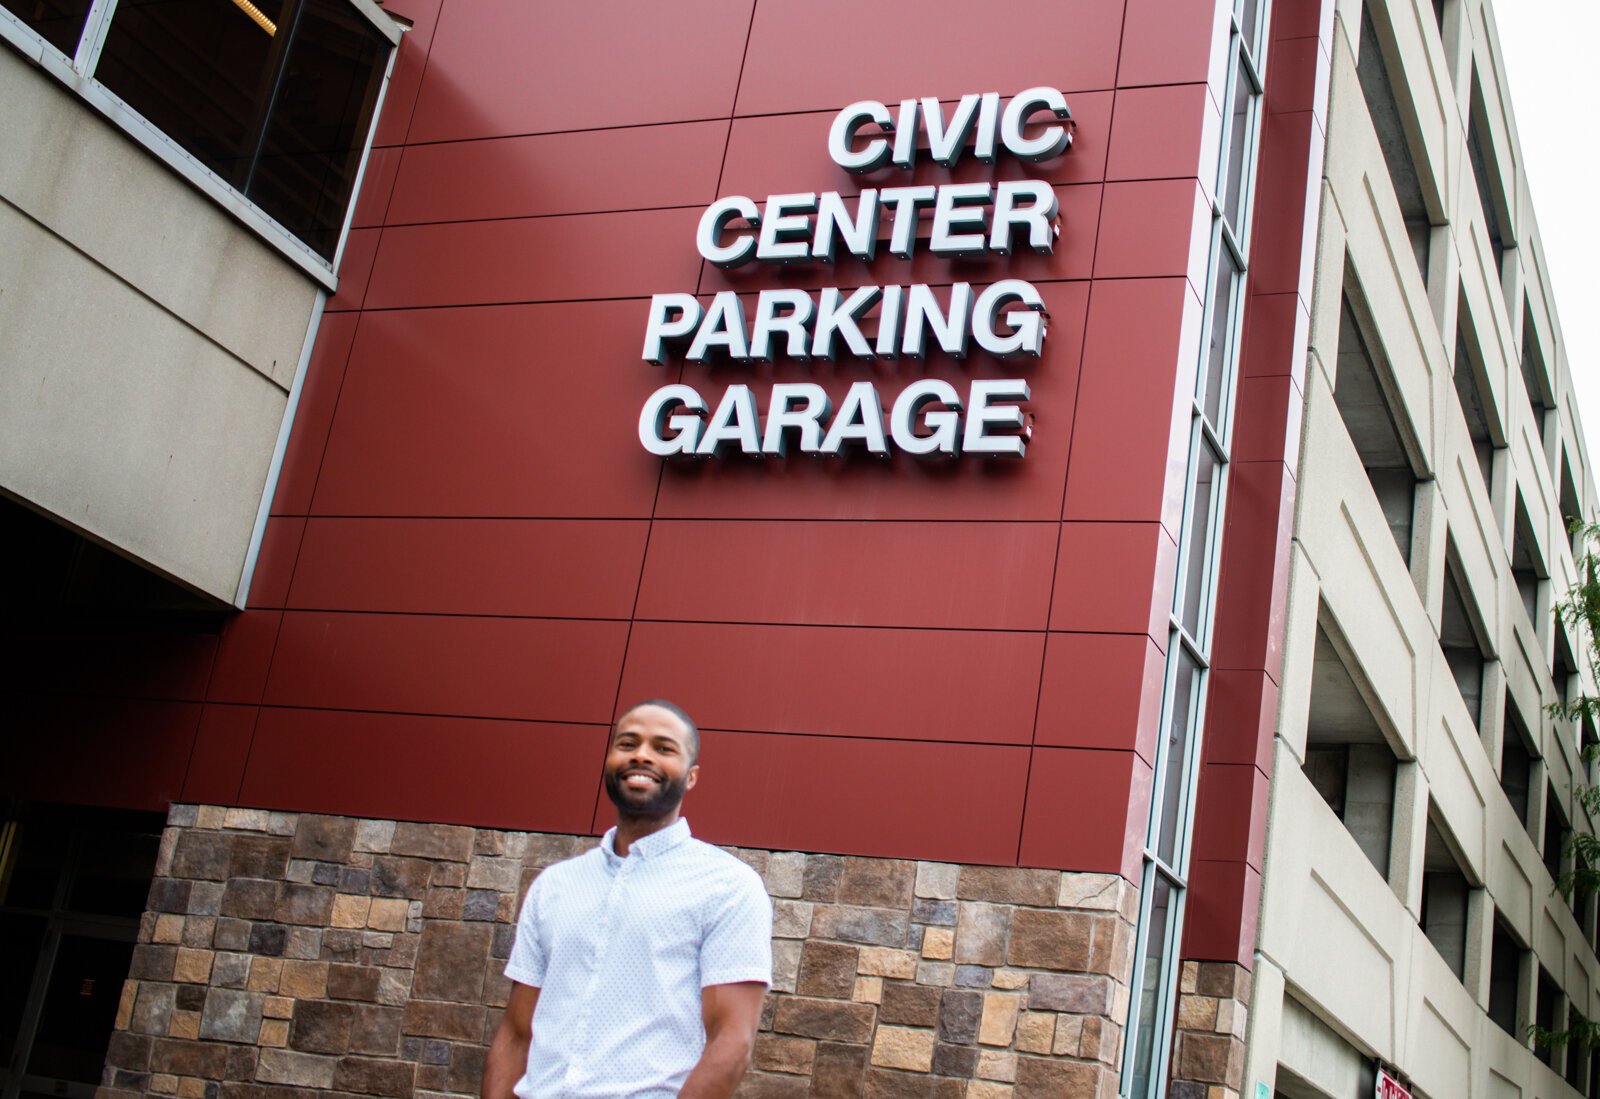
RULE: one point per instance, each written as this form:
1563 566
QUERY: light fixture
256 16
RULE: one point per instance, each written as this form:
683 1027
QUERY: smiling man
639 967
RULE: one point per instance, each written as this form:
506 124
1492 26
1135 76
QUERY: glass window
1207 468
58 22
1215 375
1238 146
1149 993
1185 695
274 96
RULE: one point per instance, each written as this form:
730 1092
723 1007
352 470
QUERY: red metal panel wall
472 564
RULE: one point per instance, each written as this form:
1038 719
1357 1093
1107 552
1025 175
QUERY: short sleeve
526 965
737 946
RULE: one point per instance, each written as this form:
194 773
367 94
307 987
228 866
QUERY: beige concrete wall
1344 970
148 341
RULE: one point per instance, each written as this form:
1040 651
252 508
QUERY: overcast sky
1548 50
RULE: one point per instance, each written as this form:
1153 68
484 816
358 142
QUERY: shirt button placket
602 938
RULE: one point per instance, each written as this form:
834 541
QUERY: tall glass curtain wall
1166 850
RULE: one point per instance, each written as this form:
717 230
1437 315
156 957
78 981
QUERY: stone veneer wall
287 955
1213 1014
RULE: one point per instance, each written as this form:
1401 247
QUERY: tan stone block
999 1018
191 1087
247 820
938 943
130 990
192 967
168 929
785 965
940 974
304 980
936 881
274 1033
987 1089
1009 885
882 961
1069 1035
869 990
184 1024
1102 892
781 1053
265 973
1011 979
1197 1013
277 1007
210 817
903 1048
349 910
388 914
1189 977
1036 1032
981 933
791 919
997 1064
1045 939
786 873
164 1083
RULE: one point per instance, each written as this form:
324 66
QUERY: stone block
205 898
266 939
301 1070
938 944
825 1019
231 1015
936 913
1010 979
199 932
903 1048
259 857
192 966
456 1022
999 1021
1050 939
937 880
942 974
838 1070
152 1009
785 964
1197 1013
876 883
443 903
868 990
306 905
353 982
303 943
1101 892
997 1064
184 1025
432 841
304 980
169 895
1111 951
909 1004
247 820
152 963
882 961
953 1060
1040 1078
251 898
372 1076
241 1063
781 1053
988 1089
326 873
492 873
277 1007
375 1029
274 1033
821 880
349 910
321 1027
388 914
395 986
189 998
1069 1035
202 855
791 919
400 877
341 944
1009 885
1210 1059
374 835
869 926
1078 994
323 839
760 1085
450 962
129 1051
982 932
188 1058
960 1012
466 1068
230 970
827 969
1036 1032
168 930
974 976
786 874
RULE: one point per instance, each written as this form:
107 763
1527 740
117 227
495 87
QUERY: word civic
1005 319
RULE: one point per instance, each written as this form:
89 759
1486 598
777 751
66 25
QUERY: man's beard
667 797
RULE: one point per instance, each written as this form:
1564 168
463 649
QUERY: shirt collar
656 843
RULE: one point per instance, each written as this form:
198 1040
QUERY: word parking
1005 319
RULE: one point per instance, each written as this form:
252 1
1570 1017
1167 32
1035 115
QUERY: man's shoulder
731 869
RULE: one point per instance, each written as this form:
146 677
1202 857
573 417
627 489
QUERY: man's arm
730 1013
508 1053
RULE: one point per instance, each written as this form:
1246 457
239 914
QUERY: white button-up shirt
620 948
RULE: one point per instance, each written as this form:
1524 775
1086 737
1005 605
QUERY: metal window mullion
1169 680
96 26
1208 572
1166 998
1185 534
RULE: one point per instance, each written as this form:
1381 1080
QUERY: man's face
648 769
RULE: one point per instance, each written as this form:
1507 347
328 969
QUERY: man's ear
691 778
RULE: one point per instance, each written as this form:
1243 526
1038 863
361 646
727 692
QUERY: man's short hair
676 711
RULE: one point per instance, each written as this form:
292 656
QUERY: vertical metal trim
275 467
96 26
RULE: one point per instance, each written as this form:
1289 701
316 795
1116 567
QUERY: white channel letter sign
1005 319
